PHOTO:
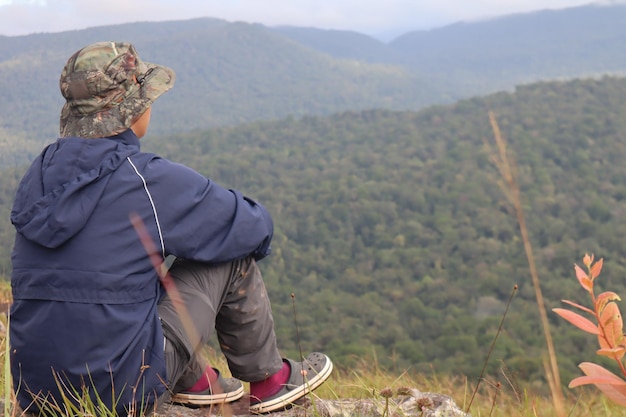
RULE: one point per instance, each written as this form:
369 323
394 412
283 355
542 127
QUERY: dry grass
367 380
507 168
491 399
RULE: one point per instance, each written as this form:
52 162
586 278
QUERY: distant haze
381 18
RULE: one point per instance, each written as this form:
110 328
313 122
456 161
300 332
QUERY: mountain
341 44
233 73
568 43
478 57
227 73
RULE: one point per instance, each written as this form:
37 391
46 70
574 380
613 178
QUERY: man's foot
223 390
304 377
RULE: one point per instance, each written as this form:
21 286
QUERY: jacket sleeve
202 221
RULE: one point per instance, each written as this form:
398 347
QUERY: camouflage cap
107 87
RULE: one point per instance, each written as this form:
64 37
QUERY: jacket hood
64 184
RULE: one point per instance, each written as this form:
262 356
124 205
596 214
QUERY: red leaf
610 384
616 353
587 260
584 280
604 298
577 320
592 380
596 268
611 327
583 308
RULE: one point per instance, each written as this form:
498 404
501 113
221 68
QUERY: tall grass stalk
8 391
170 287
508 172
493 343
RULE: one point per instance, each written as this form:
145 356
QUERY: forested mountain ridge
522 48
395 238
486 55
227 73
231 73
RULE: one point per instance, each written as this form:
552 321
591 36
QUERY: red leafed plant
609 330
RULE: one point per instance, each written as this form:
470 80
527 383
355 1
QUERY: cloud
465 10
20 17
28 16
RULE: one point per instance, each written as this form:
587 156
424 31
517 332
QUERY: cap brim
158 80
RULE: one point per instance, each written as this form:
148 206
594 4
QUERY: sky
373 17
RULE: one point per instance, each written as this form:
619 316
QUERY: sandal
305 376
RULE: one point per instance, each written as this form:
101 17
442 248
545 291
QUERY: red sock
271 385
208 377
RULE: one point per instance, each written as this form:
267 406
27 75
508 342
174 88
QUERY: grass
367 381
491 399
506 166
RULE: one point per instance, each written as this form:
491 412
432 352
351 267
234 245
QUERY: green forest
397 241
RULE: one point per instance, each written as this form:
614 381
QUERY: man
90 316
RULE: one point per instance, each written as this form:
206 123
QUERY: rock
408 402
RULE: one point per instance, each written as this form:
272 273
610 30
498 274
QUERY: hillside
341 43
522 48
227 73
232 73
395 238
483 56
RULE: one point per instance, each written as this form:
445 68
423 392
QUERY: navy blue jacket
85 292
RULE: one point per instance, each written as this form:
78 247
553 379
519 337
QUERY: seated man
91 318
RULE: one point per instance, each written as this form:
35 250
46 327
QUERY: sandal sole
191 399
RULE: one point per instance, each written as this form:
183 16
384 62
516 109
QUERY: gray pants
230 298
